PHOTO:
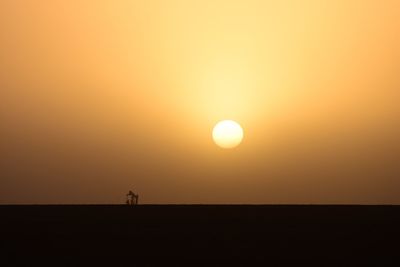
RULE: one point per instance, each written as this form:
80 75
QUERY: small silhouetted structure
132 198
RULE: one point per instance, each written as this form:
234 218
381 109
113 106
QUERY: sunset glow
97 96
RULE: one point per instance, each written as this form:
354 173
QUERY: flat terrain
210 235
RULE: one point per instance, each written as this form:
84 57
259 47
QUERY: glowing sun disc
227 134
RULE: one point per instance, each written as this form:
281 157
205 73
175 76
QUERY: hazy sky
100 97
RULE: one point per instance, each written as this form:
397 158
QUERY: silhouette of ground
209 235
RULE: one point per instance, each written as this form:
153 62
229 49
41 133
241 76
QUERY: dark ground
209 235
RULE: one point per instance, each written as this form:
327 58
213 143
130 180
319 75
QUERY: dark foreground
200 235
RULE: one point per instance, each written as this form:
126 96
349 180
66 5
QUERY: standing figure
132 198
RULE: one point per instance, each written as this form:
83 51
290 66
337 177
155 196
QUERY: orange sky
100 97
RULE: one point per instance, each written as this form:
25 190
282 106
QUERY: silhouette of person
132 198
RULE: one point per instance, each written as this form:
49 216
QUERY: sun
227 134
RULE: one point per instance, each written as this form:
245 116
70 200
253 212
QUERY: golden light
227 134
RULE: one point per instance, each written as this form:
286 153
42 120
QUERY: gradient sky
100 97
